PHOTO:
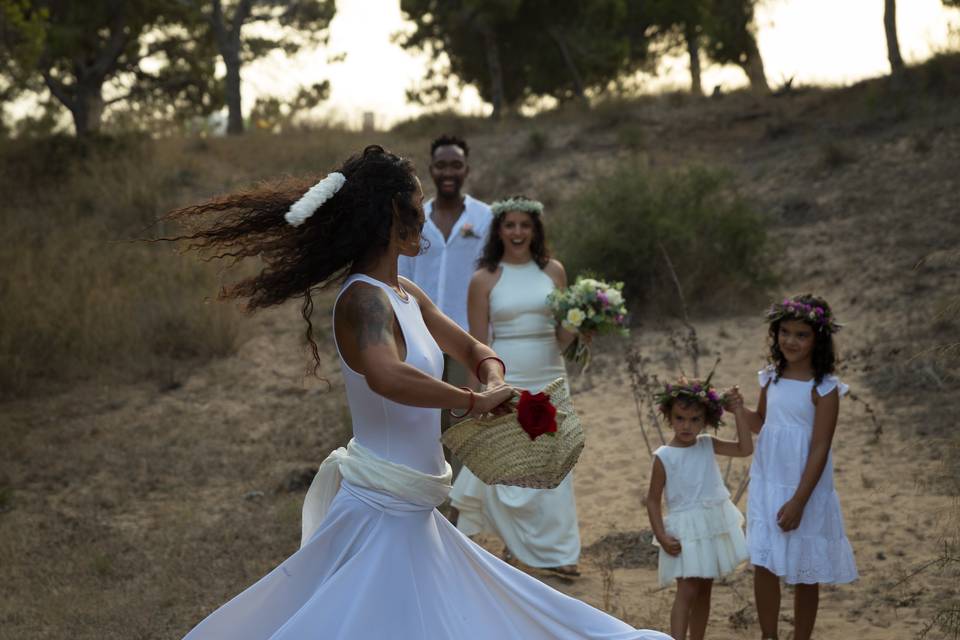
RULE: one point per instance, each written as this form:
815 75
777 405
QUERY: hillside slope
130 510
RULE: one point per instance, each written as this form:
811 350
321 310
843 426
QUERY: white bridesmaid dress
382 566
539 526
818 550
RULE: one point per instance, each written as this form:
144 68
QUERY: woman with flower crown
376 560
795 526
508 294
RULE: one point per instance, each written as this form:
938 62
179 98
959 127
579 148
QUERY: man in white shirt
455 229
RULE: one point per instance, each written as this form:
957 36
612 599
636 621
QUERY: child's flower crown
693 391
516 203
820 317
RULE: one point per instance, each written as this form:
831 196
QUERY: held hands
733 399
670 544
790 514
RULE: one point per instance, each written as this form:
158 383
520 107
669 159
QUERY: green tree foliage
271 113
723 30
21 42
149 55
679 24
515 50
730 38
293 23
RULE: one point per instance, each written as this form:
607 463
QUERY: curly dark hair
687 394
493 249
445 140
824 356
348 230
710 419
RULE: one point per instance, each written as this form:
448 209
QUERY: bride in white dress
377 560
508 295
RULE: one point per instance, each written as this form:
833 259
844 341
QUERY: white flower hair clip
319 193
516 204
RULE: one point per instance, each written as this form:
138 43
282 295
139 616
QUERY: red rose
536 415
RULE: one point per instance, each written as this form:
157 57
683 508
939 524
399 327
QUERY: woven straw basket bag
498 451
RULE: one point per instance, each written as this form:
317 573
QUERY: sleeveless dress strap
766 375
829 383
362 277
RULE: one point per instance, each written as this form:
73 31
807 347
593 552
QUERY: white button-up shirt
444 270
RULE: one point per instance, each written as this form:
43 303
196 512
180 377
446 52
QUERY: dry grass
82 298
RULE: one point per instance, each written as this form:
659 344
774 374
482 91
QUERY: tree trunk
693 49
558 39
229 44
87 110
84 100
752 65
893 42
496 71
231 59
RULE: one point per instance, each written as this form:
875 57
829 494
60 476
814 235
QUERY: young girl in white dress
794 524
376 559
701 537
507 308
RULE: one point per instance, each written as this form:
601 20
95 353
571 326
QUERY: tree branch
107 57
240 15
57 89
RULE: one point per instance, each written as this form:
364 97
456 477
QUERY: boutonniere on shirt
466 231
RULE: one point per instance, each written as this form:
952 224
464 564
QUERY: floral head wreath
797 309
516 204
693 391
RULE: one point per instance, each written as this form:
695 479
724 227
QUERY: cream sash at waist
361 467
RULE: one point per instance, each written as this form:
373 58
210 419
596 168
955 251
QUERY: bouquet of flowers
589 306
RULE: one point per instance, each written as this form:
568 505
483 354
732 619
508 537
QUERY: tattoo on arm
370 312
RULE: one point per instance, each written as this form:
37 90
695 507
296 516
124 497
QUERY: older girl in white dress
377 560
795 526
507 308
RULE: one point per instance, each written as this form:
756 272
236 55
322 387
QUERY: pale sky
795 41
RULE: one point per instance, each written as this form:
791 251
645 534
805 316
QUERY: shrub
622 226
537 142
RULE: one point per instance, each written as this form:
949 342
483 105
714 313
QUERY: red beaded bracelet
473 399
490 358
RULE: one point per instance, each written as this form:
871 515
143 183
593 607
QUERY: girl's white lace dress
539 526
699 515
818 550
379 561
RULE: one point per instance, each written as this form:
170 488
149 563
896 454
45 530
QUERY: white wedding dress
539 526
381 566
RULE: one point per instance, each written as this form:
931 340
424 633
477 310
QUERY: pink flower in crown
602 297
466 231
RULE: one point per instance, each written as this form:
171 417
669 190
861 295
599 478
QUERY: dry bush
79 297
